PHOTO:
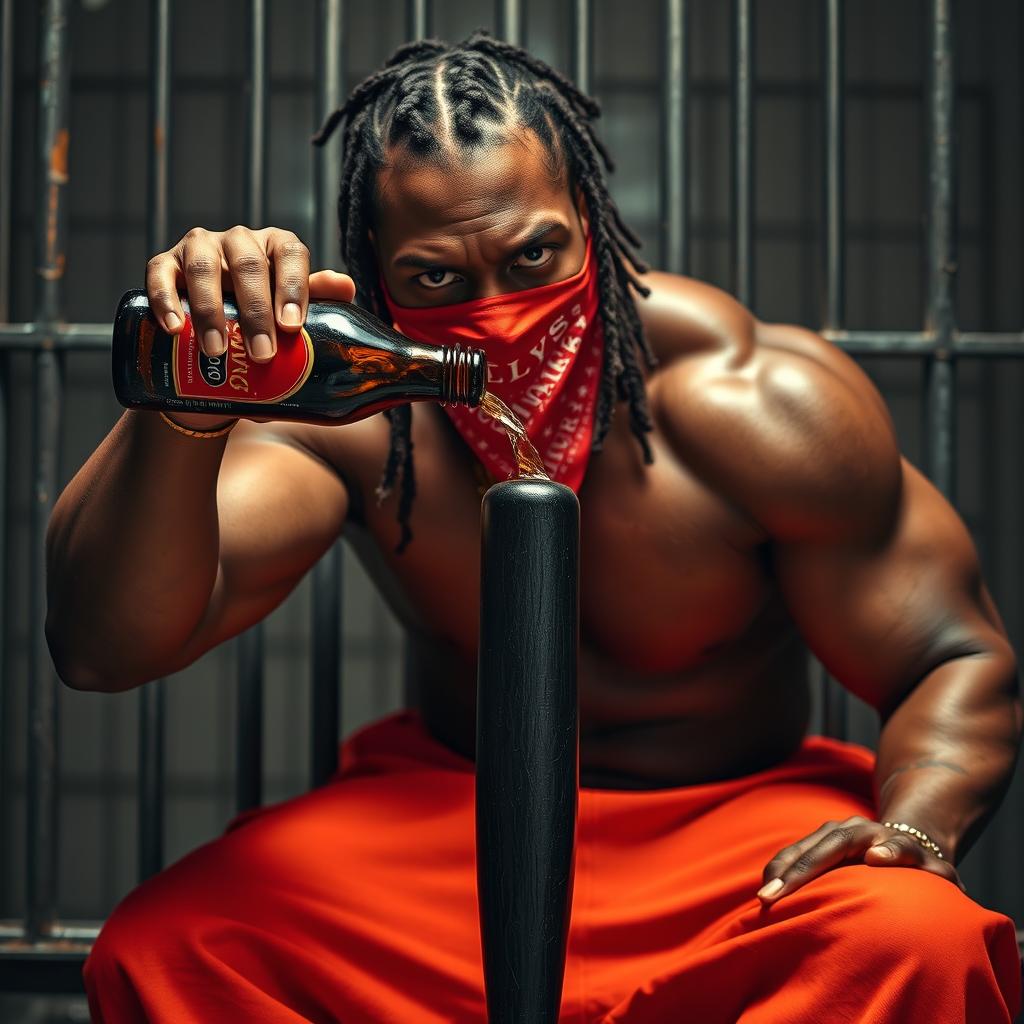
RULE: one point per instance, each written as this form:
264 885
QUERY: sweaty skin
778 513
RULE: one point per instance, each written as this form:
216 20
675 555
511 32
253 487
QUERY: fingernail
882 851
262 348
213 343
766 892
173 320
291 314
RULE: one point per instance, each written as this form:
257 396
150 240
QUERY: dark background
886 53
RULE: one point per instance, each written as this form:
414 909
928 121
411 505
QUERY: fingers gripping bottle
343 365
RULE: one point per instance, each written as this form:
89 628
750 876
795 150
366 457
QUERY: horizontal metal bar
970 344
882 343
602 82
87 337
12 933
982 343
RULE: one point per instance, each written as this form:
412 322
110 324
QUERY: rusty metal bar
152 695
675 132
940 316
582 44
249 645
325 684
51 237
743 150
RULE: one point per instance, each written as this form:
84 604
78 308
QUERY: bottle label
233 376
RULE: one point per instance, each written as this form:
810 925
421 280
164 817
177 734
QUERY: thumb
896 850
329 284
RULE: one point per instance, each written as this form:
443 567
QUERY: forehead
488 188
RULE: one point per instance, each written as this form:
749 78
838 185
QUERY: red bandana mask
544 348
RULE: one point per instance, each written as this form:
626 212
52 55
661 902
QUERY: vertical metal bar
675 130
151 696
6 144
51 226
582 43
6 212
326 665
835 248
418 19
833 696
249 750
941 252
325 693
512 21
743 150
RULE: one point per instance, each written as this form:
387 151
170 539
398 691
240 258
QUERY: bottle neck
463 375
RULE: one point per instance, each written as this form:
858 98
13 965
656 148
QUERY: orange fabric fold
357 902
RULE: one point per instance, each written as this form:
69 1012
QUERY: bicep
881 612
279 507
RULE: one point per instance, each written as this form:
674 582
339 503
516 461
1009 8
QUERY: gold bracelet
917 834
219 432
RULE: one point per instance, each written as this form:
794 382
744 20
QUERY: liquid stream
531 467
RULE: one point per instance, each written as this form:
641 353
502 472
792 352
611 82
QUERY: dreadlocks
486 85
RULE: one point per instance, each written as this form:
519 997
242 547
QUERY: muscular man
748 499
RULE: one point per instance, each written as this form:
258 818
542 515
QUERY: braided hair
437 100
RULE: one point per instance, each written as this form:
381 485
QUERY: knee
910 915
160 921
149 919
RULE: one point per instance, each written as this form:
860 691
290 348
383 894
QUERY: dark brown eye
437 278
534 256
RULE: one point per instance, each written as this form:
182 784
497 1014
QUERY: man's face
496 223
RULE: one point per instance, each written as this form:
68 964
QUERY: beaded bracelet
219 432
917 834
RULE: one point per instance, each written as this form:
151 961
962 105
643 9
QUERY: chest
669 572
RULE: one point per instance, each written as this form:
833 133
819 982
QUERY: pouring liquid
531 466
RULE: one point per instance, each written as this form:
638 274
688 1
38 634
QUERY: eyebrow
536 235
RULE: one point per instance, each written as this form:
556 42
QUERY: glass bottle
344 364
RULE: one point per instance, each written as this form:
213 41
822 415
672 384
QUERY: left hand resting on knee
853 841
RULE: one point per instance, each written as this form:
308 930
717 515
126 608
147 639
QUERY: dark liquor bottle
343 365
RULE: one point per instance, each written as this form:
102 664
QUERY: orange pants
357 902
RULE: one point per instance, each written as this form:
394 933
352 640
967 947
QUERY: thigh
662 875
354 901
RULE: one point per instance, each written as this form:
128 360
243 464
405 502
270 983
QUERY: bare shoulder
775 417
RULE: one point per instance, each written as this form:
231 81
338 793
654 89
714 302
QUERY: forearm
132 553
947 752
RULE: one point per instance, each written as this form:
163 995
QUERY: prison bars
939 343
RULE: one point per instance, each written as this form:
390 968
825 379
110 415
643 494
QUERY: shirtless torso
691 666
777 515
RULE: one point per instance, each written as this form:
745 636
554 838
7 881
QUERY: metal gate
42 954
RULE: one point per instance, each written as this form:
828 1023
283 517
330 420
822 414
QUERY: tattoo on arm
924 762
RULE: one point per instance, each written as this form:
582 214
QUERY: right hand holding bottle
267 271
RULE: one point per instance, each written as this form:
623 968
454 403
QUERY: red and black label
233 376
